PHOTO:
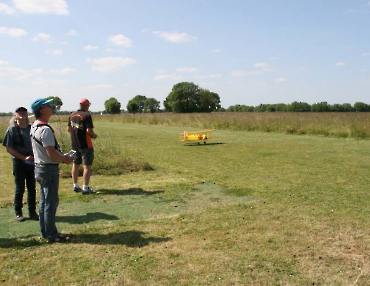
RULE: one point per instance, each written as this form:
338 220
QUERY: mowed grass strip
307 222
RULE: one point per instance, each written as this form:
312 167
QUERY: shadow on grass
131 238
202 144
89 217
20 243
129 192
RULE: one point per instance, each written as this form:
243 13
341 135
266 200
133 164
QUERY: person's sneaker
77 189
19 218
88 192
34 217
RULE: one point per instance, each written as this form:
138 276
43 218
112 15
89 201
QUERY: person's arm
90 127
18 155
57 156
91 132
69 129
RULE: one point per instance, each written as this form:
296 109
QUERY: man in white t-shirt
47 158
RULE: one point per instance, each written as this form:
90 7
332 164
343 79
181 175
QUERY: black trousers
24 174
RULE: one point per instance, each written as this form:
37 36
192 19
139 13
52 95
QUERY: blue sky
249 52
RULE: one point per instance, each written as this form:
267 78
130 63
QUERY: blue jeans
24 174
48 178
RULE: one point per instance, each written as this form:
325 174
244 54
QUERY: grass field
258 209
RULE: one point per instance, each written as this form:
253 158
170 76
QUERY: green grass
331 124
259 209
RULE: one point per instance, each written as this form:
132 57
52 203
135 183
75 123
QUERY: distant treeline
300 107
277 107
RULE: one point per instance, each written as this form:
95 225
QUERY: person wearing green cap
18 144
47 158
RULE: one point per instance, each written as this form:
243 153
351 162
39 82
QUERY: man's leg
50 187
31 190
87 174
88 158
19 179
40 179
75 169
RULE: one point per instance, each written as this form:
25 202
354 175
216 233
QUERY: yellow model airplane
197 135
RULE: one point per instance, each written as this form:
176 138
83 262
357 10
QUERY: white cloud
301 69
208 76
175 37
90 48
120 40
239 73
208 84
168 76
42 36
366 54
262 83
6 70
13 32
161 71
37 71
264 67
6 9
72 33
368 4
280 79
186 69
261 65
54 52
340 64
244 73
99 86
58 7
63 71
363 70
216 50
63 43
109 64
144 30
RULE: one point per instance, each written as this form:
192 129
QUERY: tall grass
340 124
109 160
351 125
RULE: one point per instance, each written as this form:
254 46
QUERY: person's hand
96 136
29 158
67 159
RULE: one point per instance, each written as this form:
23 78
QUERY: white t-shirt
45 136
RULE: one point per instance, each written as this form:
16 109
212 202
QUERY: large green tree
56 103
132 106
112 106
209 101
360 107
151 105
184 97
140 101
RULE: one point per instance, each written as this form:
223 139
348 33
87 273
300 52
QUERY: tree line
187 97
301 107
184 97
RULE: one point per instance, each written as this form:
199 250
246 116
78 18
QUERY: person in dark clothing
18 144
81 127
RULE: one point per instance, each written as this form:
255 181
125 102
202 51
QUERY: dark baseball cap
38 103
21 108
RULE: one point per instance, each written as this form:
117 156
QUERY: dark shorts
84 155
